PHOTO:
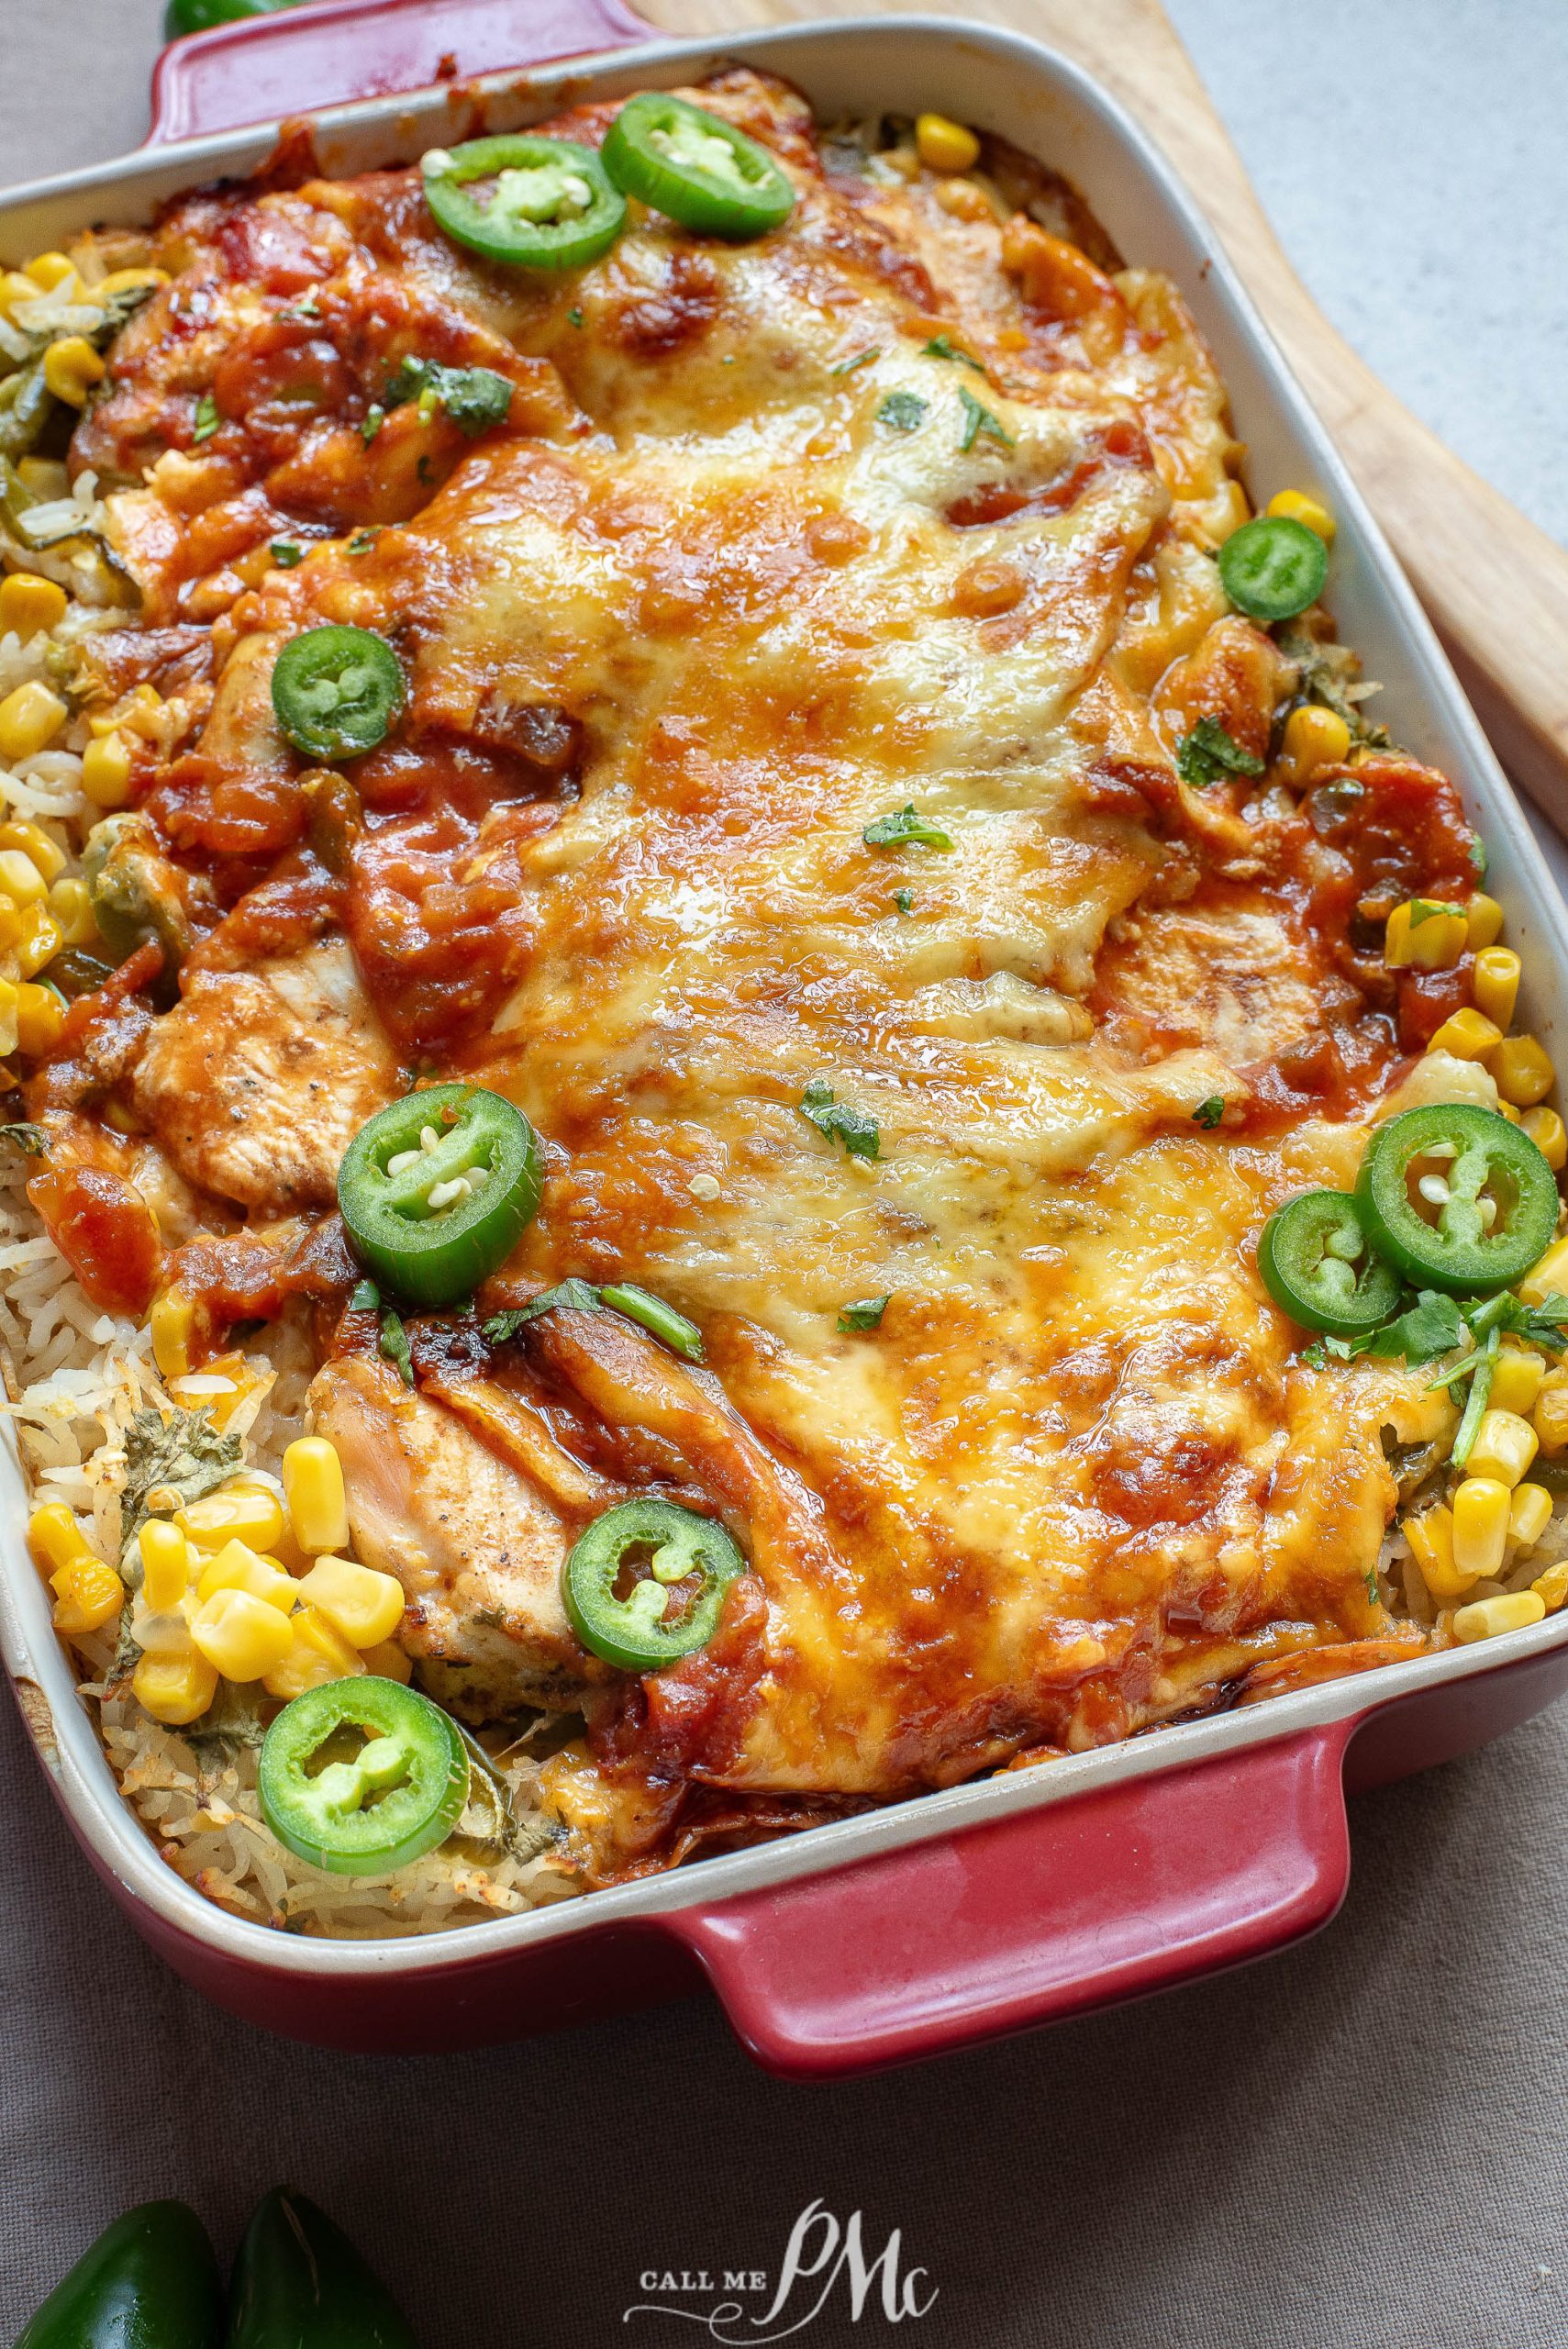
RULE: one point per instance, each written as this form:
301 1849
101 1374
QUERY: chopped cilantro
394 1346
1208 751
580 1296
362 540
31 1140
907 828
859 359
208 418
575 314
904 900
837 1122
366 1298
940 346
474 397
1209 1113
905 411
285 555
865 1313
977 419
1478 857
1432 1325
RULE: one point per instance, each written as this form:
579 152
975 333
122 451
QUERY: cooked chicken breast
476 1547
258 1080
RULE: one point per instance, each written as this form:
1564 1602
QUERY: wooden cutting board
1495 586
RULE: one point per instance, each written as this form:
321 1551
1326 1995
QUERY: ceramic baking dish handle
1034 1917
322 55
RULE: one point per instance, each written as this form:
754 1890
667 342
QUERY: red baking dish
1011 1901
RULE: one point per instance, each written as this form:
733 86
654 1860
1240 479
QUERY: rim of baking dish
57 1718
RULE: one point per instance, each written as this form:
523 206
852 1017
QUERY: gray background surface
1365 2142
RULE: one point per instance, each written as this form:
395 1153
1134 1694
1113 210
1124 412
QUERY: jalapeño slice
361 1776
532 203
1457 1197
336 691
436 1189
1318 1266
642 1621
1273 568
695 169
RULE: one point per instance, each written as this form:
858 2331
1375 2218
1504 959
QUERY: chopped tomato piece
105 1231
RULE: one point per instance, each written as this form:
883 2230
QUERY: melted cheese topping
783 565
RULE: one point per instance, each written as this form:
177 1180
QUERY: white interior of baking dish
1011 86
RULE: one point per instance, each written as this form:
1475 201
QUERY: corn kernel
162 1631
1529 1513
1549 1417
1468 1035
49 270
29 719
1545 1129
238 1567
319 1653
241 1634
1297 508
54 1537
1486 1619
944 146
1515 1381
239 1512
8 995
175 1689
1507 1109
121 280
1504 1447
388 1662
171 1320
1547 1277
20 879
1430 1537
1480 1526
1495 983
106 769
32 841
70 910
1485 916
165 1565
29 605
1313 739
363 1604
88 1594
14 288
1551 1587
1433 943
71 368
313 1487
1523 1071
39 941
40 1017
